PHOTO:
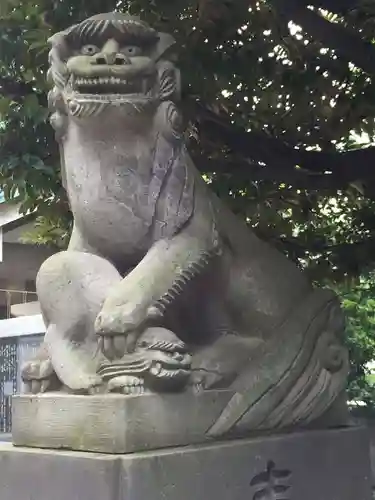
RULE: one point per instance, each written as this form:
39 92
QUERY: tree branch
341 7
343 40
258 147
252 172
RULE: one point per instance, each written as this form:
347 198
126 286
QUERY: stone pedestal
314 465
113 423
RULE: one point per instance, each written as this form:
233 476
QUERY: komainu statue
162 289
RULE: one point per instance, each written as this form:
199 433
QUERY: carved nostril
100 60
109 59
122 60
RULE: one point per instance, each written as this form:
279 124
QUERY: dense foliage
273 108
358 300
280 100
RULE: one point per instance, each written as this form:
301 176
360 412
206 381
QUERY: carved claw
38 375
34 386
119 330
116 346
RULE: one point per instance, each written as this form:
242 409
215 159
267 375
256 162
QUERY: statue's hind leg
72 287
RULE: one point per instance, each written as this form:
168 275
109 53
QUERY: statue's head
110 60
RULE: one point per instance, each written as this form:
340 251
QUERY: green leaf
31 105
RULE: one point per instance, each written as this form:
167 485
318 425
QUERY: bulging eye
89 50
131 50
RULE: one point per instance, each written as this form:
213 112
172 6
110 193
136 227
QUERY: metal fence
15 349
8 381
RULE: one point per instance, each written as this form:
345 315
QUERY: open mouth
152 369
112 85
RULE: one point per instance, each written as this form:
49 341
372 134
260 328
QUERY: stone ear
165 48
58 42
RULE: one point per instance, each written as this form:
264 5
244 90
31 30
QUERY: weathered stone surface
162 287
315 465
27 474
114 423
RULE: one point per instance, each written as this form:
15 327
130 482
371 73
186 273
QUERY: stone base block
113 423
314 465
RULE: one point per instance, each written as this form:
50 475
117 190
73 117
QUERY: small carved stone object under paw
160 362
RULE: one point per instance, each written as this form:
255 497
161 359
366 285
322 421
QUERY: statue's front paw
119 331
120 320
38 376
